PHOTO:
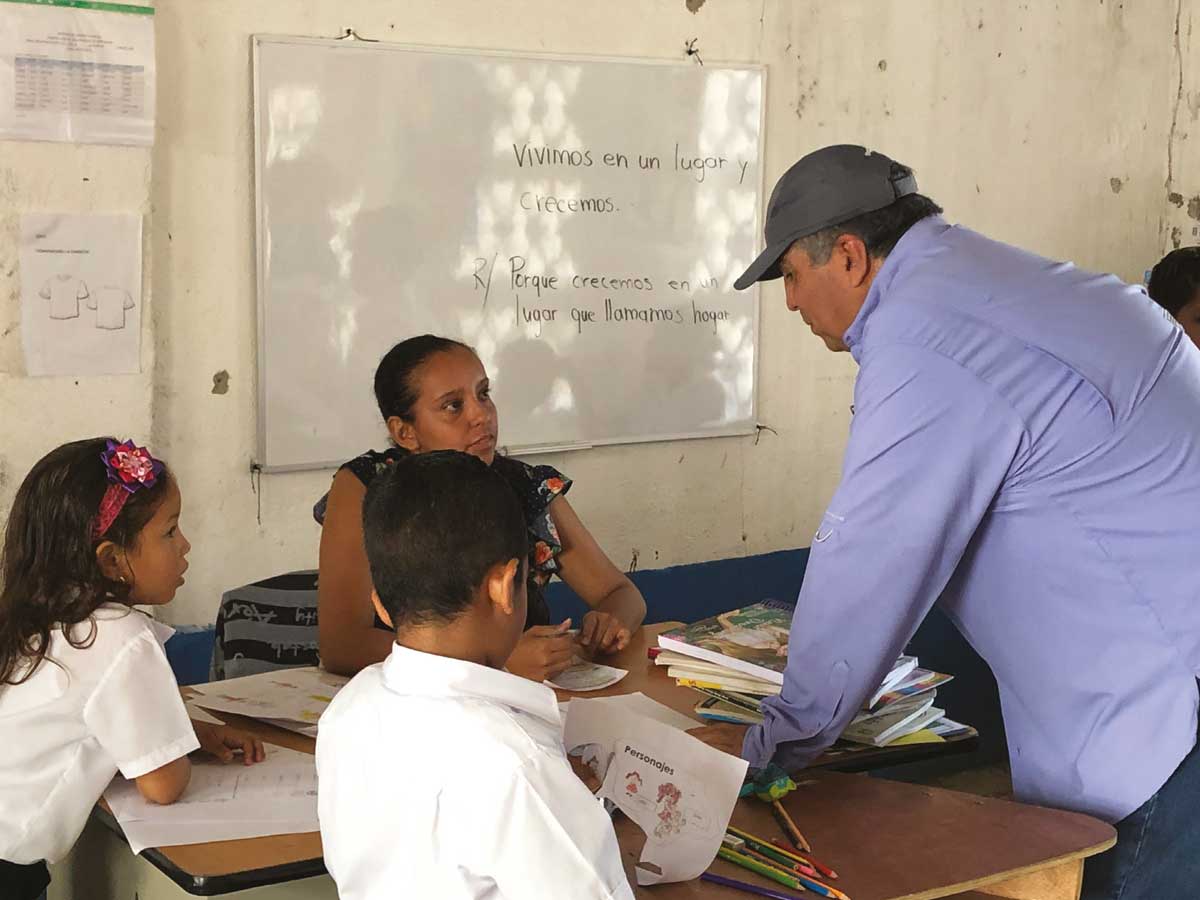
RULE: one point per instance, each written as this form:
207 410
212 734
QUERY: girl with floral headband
85 687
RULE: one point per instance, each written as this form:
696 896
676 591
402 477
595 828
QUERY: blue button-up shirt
1025 447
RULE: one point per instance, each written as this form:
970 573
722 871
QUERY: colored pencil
772 846
746 886
795 882
808 858
788 861
778 862
789 827
746 862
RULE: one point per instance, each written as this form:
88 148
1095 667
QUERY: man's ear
380 611
854 258
501 585
403 434
111 560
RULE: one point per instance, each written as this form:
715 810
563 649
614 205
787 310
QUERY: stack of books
737 658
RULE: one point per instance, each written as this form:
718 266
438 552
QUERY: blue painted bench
695 591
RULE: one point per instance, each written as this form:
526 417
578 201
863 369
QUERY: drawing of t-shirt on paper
64 291
110 304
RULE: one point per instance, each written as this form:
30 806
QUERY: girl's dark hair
49 575
396 389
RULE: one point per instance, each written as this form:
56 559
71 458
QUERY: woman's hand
543 652
603 632
222 741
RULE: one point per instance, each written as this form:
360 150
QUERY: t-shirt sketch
110 304
64 292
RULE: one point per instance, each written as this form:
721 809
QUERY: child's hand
603 632
221 741
543 652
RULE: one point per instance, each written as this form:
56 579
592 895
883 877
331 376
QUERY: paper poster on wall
77 72
81 294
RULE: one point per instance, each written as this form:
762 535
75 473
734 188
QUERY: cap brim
766 267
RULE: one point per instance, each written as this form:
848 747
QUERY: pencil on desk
807 858
779 862
746 862
789 827
805 882
786 860
746 886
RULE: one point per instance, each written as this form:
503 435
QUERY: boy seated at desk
442 775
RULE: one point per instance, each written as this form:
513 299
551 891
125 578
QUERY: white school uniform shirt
443 778
108 707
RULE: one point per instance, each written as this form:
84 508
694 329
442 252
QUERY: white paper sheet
143 834
223 802
79 75
639 704
587 676
679 791
81 293
196 714
296 695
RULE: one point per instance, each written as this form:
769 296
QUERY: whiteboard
578 221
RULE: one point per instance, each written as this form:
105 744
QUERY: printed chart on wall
77 71
578 221
81 294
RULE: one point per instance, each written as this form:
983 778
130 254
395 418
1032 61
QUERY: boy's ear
501 585
381 611
403 434
111 560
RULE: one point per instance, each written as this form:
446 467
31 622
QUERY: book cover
919 682
882 730
755 688
745 701
753 639
719 711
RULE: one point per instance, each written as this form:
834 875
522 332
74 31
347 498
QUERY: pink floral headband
130 468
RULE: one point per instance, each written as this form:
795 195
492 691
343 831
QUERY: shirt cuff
160 757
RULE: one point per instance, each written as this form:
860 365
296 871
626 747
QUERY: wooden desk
888 840
894 841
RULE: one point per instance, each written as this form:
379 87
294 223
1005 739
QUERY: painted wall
1060 127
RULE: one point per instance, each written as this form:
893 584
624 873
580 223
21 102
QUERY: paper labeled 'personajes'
678 790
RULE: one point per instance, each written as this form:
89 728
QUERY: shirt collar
916 239
415 673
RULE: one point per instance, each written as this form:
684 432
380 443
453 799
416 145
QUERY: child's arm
137 715
223 742
166 783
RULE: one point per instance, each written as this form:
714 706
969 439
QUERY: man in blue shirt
1025 451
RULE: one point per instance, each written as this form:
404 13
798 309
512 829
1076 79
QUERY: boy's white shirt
443 778
111 706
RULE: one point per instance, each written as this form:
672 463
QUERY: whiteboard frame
257 40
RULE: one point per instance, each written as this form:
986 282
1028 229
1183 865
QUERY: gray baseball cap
825 188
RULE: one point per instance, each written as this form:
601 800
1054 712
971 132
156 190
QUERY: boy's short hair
1175 281
434 525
